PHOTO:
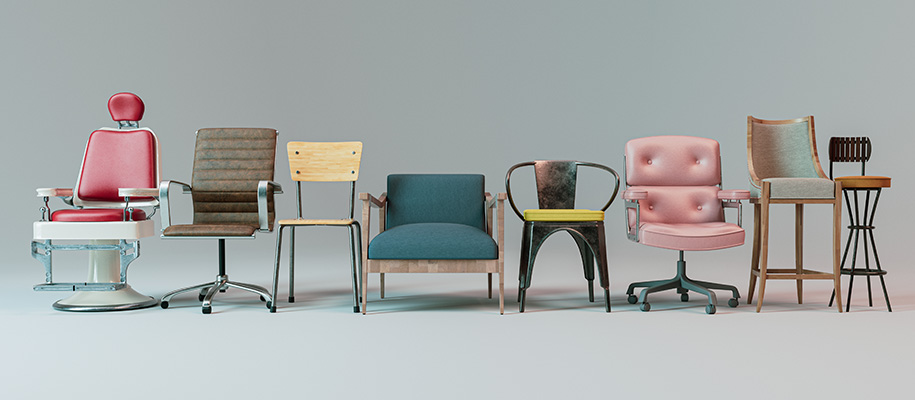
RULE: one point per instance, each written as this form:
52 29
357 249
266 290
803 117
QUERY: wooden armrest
54 192
375 202
138 192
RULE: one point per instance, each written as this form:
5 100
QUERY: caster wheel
163 304
645 307
263 299
732 302
200 297
207 310
292 299
269 304
710 309
684 297
222 290
632 299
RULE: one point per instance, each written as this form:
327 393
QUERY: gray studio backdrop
457 86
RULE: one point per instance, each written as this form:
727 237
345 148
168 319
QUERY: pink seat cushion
95 215
691 237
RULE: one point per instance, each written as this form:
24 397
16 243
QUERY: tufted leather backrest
228 164
681 175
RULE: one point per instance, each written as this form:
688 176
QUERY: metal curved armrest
166 217
263 210
508 187
616 187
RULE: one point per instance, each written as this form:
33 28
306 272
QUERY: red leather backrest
117 159
126 107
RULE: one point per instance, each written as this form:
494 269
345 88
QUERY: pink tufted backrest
681 175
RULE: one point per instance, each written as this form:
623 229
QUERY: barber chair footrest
80 287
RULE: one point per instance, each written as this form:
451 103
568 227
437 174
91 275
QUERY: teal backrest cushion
446 198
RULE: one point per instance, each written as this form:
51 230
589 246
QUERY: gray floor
437 336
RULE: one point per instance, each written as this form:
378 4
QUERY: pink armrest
736 194
637 194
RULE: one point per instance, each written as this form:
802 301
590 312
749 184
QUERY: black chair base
683 284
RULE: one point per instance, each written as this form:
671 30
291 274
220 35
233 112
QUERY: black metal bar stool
858 149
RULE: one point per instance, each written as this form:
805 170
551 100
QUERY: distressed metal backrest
557 181
849 149
228 164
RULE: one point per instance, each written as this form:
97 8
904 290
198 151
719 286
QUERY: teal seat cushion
433 241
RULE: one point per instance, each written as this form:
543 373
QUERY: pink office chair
119 174
674 201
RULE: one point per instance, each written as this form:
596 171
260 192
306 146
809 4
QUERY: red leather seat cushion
95 215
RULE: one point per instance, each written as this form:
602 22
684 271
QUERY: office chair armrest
631 194
737 194
263 210
732 199
164 186
631 201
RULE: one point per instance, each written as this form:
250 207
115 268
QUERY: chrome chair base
209 289
118 300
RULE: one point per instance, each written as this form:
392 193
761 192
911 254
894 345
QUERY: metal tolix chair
119 163
321 162
674 201
232 191
556 183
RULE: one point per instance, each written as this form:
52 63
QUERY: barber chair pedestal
104 267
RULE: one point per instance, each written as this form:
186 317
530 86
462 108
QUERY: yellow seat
563 215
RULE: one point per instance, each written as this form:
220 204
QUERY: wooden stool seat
864 182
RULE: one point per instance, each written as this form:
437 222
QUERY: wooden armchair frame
383 266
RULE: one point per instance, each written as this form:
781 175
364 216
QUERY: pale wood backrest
324 161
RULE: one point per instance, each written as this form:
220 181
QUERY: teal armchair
433 223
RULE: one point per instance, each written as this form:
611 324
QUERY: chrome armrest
263 213
732 199
166 217
631 201
65 195
127 193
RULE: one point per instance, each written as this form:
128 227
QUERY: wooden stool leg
763 243
754 261
799 249
836 244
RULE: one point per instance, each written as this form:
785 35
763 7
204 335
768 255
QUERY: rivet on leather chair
118 175
556 185
232 191
785 169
